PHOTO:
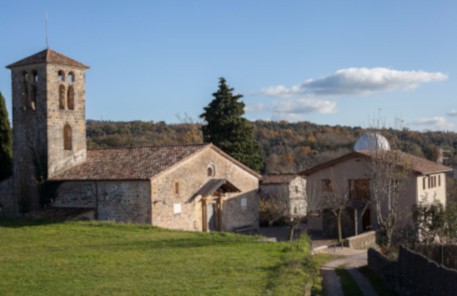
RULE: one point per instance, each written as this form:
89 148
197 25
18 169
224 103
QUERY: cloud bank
357 81
437 122
452 113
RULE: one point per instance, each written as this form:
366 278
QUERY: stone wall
361 241
121 201
413 274
38 121
191 175
7 206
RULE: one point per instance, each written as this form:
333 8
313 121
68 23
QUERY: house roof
277 179
139 163
417 164
136 163
48 56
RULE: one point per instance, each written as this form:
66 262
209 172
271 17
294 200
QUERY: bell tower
49 121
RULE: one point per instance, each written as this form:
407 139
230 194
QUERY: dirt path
352 259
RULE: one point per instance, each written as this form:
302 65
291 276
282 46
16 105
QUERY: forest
286 147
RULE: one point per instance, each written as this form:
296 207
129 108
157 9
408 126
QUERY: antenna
46 22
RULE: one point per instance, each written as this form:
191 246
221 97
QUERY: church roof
139 163
48 56
416 164
135 163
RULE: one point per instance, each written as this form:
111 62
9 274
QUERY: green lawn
92 258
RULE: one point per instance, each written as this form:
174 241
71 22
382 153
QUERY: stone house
190 187
350 174
289 190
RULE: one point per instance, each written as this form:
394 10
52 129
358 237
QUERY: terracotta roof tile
141 163
417 164
48 56
278 179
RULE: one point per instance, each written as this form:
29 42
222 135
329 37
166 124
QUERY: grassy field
92 258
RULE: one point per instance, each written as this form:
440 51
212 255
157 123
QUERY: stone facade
171 199
290 191
190 176
39 85
121 201
7 206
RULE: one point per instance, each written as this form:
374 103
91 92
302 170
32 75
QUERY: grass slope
93 258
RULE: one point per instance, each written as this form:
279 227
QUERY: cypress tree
226 127
6 142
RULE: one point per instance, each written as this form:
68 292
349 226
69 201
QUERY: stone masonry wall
7 208
58 158
121 201
29 133
190 176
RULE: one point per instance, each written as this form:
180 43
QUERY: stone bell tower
49 121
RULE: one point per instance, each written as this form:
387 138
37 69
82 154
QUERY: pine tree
226 127
6 142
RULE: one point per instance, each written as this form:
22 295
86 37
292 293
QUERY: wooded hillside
286 147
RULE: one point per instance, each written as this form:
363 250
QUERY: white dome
372 141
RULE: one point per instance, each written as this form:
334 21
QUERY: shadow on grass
27 222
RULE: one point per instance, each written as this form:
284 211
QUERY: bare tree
388 172
335 197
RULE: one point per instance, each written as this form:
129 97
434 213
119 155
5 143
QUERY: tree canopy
226 127
6 142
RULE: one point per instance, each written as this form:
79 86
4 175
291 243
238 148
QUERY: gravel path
351 260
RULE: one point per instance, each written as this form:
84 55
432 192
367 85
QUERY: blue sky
329 62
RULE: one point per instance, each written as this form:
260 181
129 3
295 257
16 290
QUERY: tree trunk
340 232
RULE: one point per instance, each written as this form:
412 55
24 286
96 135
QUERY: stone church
190 187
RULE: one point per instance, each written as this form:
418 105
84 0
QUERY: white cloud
436 122
255 108
357 81
452 113
293 110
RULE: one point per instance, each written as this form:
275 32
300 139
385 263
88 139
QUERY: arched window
33 97
71 78
61 97
61 75
71 98
25 96
35 76
67 137
211 171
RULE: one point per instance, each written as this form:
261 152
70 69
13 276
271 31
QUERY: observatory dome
372 141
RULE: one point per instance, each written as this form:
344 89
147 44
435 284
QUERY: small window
296 189
25 76
176 208
295 210
71 98
244 202
61 75
62 97
327 185
439 180
67 137
424 184
71 78
177 188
